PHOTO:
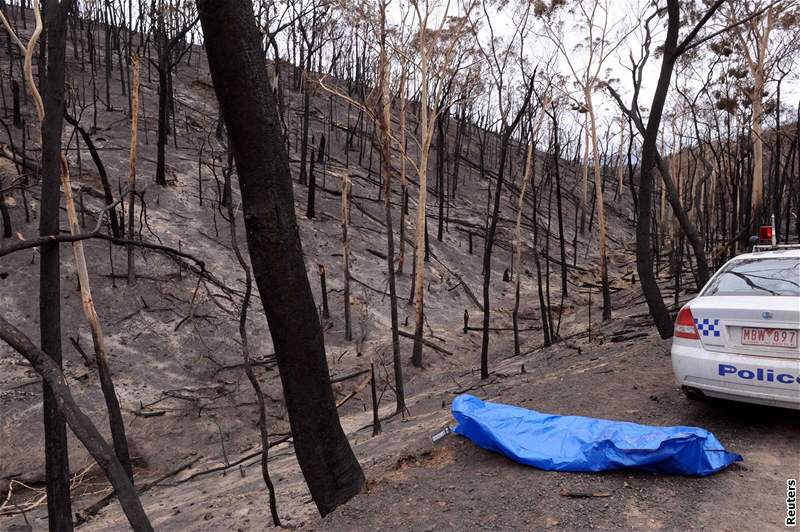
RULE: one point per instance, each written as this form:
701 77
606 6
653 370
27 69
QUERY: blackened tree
239 71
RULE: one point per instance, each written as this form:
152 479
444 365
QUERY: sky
624 21
626 15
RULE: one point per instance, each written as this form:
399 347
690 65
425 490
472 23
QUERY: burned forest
255 252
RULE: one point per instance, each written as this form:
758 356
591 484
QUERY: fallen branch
623 338
349 376
244 458
584 494
480 384
365 285
270 360
360 386
427 343
83 515
149 413
377 253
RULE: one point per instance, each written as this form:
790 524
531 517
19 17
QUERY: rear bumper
761 380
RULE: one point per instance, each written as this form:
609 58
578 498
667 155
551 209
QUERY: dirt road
456 485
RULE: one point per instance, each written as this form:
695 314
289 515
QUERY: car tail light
684 325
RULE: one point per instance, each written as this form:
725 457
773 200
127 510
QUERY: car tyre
693 394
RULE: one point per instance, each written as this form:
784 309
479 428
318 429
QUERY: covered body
576 443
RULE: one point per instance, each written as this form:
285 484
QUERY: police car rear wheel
693 394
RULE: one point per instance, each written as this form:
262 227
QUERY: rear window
757 277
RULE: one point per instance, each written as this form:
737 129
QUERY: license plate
769 337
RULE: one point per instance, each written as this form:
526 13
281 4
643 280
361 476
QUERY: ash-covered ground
191 414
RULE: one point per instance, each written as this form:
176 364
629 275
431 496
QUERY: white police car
739 338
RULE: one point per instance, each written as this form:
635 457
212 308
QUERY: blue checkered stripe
708 327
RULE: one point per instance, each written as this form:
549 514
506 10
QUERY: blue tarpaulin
575 443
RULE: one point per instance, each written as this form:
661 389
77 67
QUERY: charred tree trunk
600 203
345 216
5 214
59 507
15 95
440 170
163 124
323 288
239 72
101 170
312 189
695 238
401 147
306 112
561 241
386 154
537 261
490 234
487 254
644 252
